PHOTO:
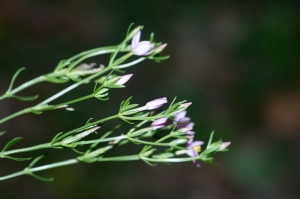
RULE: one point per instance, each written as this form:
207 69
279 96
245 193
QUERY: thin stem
40 168
23 86
27 110
120 158
75 100
72 87
148 143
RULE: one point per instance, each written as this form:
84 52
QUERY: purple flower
178 116
184 123
194 147
141 48
191 133
159 123
224 145
123 79
154 104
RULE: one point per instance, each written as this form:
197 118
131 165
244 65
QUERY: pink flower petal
142 48
123 79
135 39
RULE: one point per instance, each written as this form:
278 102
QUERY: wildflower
178 116
123 79
224 145
154 104
141 48
159 123
194 147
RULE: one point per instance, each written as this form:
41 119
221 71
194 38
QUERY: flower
123 79
154 104
159 123
194 147
224 145
141 48
178 116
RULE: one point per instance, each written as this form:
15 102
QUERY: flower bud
159 123
178 141
224 145
160 48
154 104
123 79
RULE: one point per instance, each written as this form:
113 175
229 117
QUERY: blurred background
237 62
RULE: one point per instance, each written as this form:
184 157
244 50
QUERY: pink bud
123 79
224 145
160 48
159 123
154 104
185 105
141 48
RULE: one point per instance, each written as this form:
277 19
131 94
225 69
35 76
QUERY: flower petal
195 143
159 123
123 79
154 104
135 39
142 48
179 115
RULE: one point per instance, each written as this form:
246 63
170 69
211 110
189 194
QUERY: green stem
120 158
73 86
27 110
23 86
148 143
41 168
74 101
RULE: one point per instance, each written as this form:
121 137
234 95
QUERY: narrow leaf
12 142
42 178
14 78
53 141
17 159
2 133
35 160
25 98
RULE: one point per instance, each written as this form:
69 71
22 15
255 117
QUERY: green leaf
12 142
57 80
36 112
126 103
88 122
210 139
45 179
131 106
129 28
61 65
53 141
172 108
17 159
36 160
14 78
2 133
25 98
151 37
79 152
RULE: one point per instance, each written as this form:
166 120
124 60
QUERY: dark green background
237 62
